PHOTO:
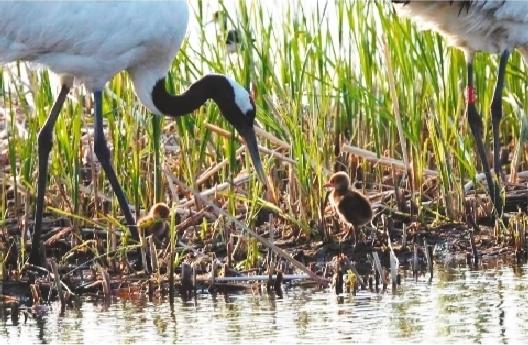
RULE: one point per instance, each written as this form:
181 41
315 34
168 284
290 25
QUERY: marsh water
460 305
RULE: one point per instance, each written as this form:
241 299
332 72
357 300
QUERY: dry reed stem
213 170
282 253
227 134
372 157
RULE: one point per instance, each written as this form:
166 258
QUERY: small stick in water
153 254
106 284
186 280
171 276
277 285
58 286
415 262
214 267
338 273
14 311
474 249
429 258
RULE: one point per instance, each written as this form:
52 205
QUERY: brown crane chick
353 208
155 222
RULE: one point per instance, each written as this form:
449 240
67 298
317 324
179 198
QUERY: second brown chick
155 222
352 207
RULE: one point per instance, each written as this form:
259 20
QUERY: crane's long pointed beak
251 143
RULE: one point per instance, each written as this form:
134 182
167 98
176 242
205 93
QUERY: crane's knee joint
474 120
101 149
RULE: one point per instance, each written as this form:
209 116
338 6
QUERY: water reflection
459 305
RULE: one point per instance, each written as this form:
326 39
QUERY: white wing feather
92 40
486 25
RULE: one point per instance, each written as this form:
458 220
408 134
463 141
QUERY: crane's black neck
209 87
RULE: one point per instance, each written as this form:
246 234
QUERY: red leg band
471 95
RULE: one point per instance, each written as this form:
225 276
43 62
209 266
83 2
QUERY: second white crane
478 25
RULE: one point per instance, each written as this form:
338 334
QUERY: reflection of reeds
518 228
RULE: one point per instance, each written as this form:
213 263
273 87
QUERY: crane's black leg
496 113
103 155
475 123
36 256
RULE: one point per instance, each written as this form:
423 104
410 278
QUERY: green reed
320 80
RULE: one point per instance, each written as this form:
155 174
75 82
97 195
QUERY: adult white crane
89 42
478 25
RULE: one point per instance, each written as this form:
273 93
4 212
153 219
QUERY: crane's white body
491 26
92 41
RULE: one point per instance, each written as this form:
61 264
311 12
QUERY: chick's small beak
329 184
252 146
